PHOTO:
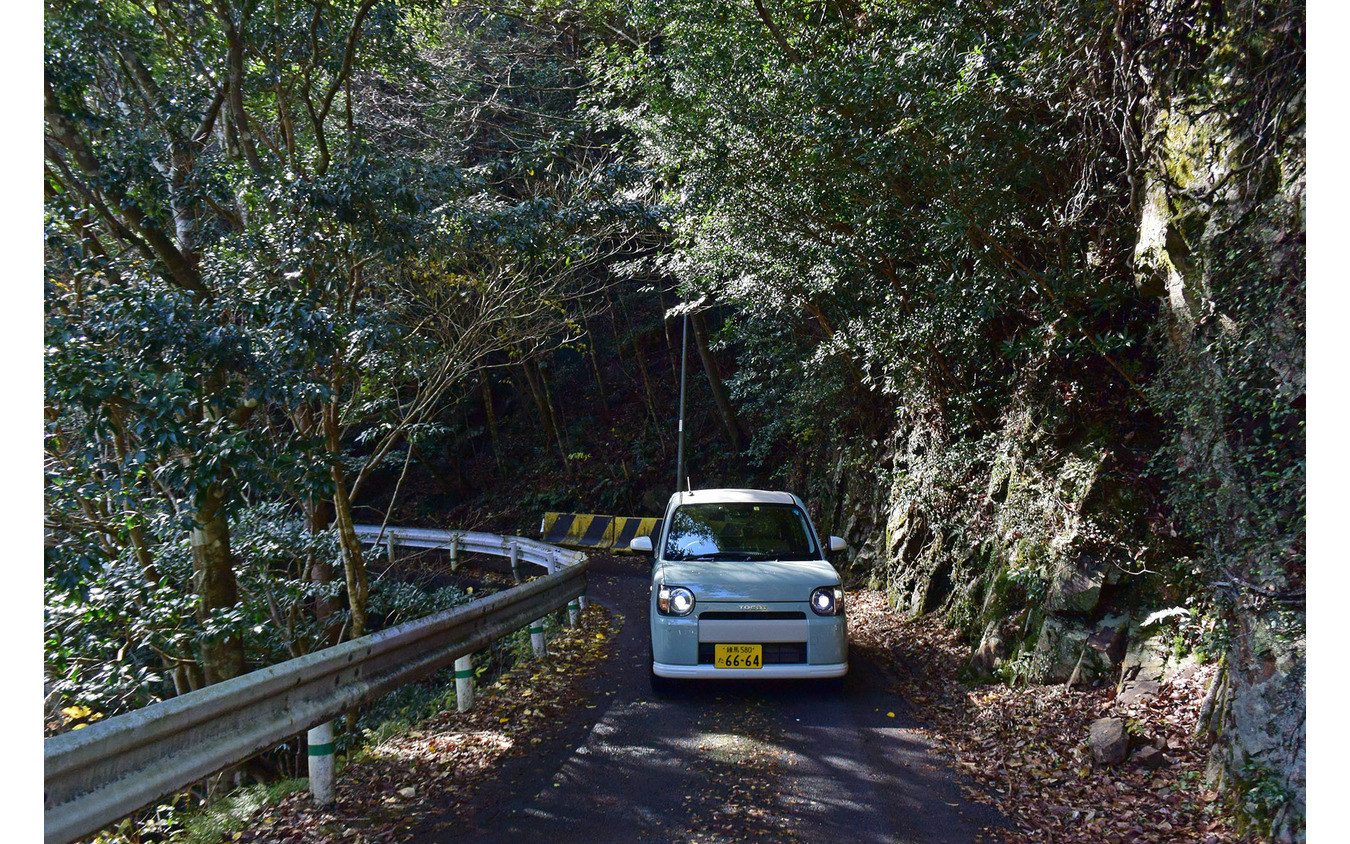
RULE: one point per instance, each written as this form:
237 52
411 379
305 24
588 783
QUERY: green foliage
135 366
1019 586
1020 669
894 198
113 643
395 713
398 602
545 500
100 647
1232 387
1236 468
236 812
277 240
186 821
1262 797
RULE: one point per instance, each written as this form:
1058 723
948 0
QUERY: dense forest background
1012 293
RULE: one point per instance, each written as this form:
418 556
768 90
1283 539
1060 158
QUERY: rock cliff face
1051 541
1028 541
1224 248
1221 242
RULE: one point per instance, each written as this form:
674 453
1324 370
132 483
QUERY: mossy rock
1076 587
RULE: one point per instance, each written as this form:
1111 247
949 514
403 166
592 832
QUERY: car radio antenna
684 354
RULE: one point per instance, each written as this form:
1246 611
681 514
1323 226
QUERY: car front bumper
682 646
768 672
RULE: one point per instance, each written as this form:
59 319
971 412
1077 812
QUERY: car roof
729 496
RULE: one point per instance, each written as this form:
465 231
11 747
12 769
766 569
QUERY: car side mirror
837 544
641 545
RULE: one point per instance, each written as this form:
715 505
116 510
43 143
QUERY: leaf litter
1025 747
386 791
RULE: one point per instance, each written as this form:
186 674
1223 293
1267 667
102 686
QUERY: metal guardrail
108 770
528 550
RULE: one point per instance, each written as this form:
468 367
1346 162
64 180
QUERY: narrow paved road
777 761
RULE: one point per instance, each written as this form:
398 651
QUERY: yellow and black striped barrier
584 530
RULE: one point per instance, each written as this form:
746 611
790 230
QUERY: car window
739 531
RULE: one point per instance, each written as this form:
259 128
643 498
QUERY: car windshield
740 531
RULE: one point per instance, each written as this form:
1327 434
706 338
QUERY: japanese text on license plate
738 656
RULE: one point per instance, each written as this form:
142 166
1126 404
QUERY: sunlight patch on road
730 747
418 747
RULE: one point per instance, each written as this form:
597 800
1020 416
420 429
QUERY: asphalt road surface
721 761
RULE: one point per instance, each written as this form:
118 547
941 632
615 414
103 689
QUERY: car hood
766 580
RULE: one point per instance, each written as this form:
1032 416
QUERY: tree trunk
139 544
618 341
642 370
319 514
538 389
536 395
554 419
213 580
353 562
648 391
724 409
187 677
491 418
521 387
595 368
670 343
554 412
180 200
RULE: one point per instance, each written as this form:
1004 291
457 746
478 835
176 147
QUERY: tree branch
777 34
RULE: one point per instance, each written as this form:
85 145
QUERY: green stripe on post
319 760
463 675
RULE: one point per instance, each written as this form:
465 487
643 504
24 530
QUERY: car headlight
827 600
674 600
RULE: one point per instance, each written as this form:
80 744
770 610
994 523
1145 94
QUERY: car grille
752 616
775 653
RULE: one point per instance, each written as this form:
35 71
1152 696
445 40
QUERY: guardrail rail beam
111 768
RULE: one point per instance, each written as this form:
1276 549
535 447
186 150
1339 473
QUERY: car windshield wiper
737 556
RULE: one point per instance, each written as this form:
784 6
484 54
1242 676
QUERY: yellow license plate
738 656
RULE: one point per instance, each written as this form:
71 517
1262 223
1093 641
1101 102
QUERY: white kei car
743 588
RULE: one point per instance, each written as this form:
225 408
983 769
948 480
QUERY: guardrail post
321 763
454 553
464 682
573 612
389 547
515 561
537 638
581 601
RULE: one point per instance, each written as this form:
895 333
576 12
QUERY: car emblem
759 607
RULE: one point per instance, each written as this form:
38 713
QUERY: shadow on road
722 761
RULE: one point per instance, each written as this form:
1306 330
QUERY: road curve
721 762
